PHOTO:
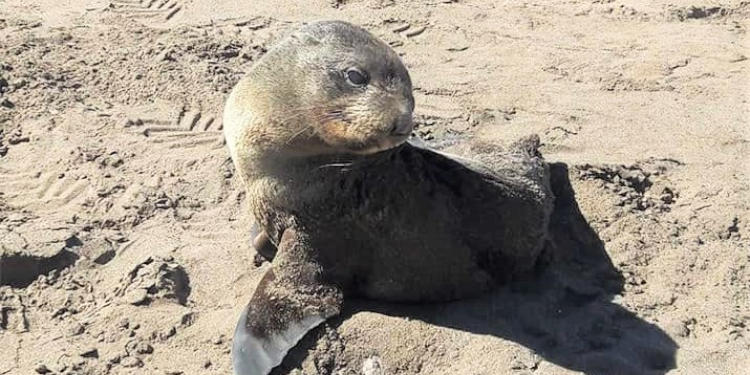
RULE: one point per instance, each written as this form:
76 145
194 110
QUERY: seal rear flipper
290 300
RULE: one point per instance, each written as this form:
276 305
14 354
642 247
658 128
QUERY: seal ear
290 300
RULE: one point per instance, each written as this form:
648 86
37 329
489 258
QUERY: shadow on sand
563 312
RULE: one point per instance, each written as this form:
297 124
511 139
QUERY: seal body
410 224
317 131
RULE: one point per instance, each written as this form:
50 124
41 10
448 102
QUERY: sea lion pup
317 130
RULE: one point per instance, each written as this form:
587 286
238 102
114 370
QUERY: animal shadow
563 311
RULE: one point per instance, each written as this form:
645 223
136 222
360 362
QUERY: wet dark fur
410 224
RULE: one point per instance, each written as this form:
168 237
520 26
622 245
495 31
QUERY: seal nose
402 125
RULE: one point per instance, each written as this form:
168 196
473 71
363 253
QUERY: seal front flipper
290 300
264 246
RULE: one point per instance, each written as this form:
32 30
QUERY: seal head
334 89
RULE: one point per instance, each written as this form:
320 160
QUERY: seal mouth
402 126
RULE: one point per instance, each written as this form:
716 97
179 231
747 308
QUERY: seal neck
300 168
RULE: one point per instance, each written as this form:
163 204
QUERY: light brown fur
304 115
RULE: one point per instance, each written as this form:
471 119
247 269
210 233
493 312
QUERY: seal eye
356 77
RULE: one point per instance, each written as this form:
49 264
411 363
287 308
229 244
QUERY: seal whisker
297 134
335 165
302 111
297 112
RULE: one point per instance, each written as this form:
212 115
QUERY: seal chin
386 143
395 140
254 355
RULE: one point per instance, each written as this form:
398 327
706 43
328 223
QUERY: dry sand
125 242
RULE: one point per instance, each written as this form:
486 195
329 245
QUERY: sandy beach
124 231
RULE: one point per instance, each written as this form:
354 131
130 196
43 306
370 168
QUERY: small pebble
144 348
131 362
90 353
677 328
415 32
76 329
373 366
7 103
169 332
